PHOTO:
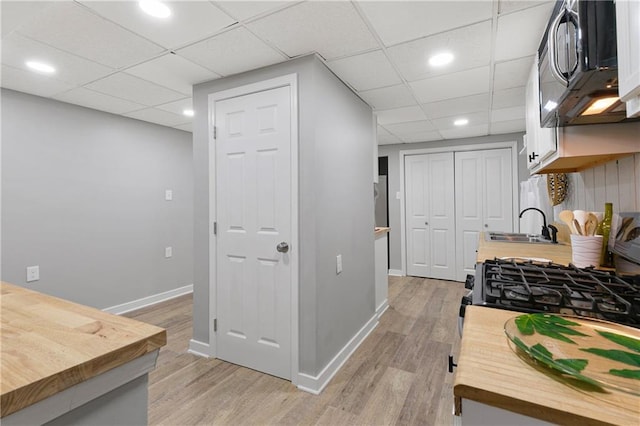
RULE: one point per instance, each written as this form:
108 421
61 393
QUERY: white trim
315 384
396 273
290 80
199 348
149 300
382 308
473 147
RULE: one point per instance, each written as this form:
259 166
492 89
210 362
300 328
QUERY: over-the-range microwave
578 65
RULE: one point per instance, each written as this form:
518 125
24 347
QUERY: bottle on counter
606 257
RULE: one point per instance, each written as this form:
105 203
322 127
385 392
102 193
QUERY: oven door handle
551 48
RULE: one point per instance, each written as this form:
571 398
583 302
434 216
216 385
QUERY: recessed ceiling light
600 105
441 59
461 122
188 112
41 67
155 8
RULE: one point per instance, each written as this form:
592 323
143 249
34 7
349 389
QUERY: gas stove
548 287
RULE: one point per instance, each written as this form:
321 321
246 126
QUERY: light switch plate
338 264
168 195
168 252
33 273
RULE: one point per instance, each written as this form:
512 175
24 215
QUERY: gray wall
335 203
83 198
392 151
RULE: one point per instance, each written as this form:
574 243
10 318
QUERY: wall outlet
33 273
338 264
168 251
168 195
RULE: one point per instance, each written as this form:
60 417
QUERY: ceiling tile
17 50
512 73
470 45
231 52
509 97
157 116
388 97
70 27
134 89
386 138
30 82
187 127
400 115
510 42
332 29
422 137
16 13
475 118
243 10
454 85
508 6
462 105
399 21
466 132
410 128
177 107
95 100
507 114
366 71
174 72
190 21
511 126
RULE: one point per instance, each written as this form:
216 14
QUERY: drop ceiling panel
332 29
455 85
512 73
72 28
508 6
389 97
471 47
475 118
174 72
512 126
17 50
243 10
466 132
509 97
519 33
400 115
177 107
231 52
96 100
386 138
396 21
33 83
187 127
157 116
422 137
507 114
410 128
462 105
189 21
366 71
16 13
134 89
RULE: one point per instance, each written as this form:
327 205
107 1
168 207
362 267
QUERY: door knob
282 247
486 226
426 223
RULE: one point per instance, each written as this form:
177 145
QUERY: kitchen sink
506 237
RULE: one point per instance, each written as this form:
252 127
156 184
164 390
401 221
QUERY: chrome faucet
545 228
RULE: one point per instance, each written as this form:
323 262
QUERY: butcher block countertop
558 253
490 372
50 344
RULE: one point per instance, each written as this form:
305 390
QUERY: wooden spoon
576 225
581 217
591 224
567 217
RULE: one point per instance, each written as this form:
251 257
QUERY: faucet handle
554 233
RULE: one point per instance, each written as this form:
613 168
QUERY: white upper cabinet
628 33
541 141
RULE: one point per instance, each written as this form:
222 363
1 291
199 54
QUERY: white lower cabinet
478 414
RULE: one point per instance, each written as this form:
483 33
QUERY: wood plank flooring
397 376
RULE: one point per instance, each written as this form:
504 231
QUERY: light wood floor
397 376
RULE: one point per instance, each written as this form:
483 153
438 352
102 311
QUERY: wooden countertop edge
25 396
526 408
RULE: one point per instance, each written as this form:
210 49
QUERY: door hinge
215 228
215 132
215 324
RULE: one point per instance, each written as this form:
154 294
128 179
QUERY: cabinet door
541 141
628 34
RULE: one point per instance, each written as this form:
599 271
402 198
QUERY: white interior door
253 212
430 215
484 201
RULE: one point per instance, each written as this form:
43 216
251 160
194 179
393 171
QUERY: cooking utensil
591 224
567 217
581 217
577 227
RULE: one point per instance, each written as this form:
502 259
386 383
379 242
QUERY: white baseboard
199 348
149 300
315 384
382 308
396 273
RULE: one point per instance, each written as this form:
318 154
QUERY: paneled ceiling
111 56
